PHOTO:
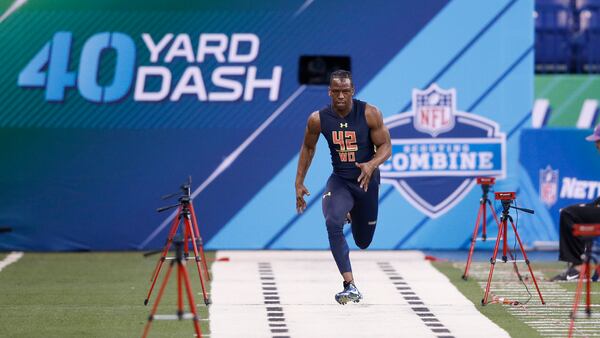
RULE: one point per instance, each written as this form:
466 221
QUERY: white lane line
229 160
11 258
306 282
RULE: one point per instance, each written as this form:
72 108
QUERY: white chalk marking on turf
229 159
306 282
13 8
11 258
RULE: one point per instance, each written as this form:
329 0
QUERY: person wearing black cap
571 247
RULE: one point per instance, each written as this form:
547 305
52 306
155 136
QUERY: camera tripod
503 234
186 216
182 280
481 215
586 232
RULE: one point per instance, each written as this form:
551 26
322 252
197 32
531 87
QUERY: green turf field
566 94
87 295
101 295
502 314
497 314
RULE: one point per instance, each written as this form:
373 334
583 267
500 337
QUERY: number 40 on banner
49 68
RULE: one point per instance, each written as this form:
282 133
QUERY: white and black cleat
350 294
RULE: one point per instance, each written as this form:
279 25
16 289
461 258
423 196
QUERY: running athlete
358 143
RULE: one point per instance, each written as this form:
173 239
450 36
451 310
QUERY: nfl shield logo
438 151
434 109
548 186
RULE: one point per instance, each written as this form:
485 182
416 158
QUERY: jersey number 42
347 142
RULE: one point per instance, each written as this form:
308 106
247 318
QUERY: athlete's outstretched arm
380 136
311 136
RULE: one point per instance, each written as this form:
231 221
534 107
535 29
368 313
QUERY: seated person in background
571 247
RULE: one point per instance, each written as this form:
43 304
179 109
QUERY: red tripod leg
186 238
527 262
493 263
504 241
172 233
484 225
473 240
190 296
588 295
201 244
516 269
577 300
188 224
161 260
188 289
179 293
160 293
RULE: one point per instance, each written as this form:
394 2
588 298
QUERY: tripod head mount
507 199
185 188
185 196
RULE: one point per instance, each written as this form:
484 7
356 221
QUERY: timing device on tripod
190 234
486 183
507 199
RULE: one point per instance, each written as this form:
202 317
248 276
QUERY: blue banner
562 168
104 111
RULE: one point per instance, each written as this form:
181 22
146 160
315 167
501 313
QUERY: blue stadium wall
86 154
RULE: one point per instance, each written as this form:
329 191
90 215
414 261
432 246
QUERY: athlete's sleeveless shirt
349 139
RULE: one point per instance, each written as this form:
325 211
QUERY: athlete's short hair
341 74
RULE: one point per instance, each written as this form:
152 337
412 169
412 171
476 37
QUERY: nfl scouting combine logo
548 186
437 151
